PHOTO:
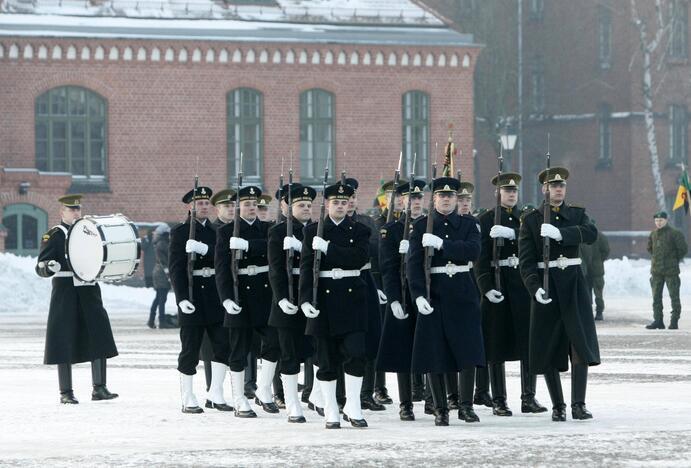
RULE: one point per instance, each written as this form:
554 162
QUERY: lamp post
508 143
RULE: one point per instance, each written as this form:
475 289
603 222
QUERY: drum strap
62 228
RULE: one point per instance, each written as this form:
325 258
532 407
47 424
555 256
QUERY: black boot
497 376
674 324
656 325
151 323
367 390
207 376
598 316
556 394
309 381
452 401
98 377
465 410
65 383
381 394
441 411
482 396
528 383
405 396
418 387
579 383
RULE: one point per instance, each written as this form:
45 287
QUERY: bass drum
103 248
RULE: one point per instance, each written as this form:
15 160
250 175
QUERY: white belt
451 269
63 274
337 273
205 272
296 271
252 270
562 262
368 266
512 262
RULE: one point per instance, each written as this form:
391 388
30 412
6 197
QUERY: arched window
246 134
415 133
25 223
71 132
316 134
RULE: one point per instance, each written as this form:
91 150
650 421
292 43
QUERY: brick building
582 83
118 99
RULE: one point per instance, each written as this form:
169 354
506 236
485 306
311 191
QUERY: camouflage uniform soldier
667 248
594 257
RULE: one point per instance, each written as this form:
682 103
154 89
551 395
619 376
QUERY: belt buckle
206 272
251 270
561 262
337 273
513 261
450 269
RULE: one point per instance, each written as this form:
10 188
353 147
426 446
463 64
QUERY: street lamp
508 143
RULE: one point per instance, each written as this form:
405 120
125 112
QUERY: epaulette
50 233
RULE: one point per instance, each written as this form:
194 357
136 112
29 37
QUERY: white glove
292 243
186 307
53 266
539 294
548 230
403 247
309 310
397 310
238 243
430 240
196 247
286 306
502 231
231 307
494 296
320 244
423 306
382 297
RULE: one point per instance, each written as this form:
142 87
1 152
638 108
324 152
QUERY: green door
25 225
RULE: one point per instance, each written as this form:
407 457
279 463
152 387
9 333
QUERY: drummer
78 327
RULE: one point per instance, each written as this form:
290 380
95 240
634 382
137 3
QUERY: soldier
448 332
594 257
284 313
562 325
667 248
201 313
249 313
78 328
224 203
396 346
263 203
340 322
375 298
505 309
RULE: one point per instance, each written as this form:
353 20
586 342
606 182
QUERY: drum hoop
67 247
139 246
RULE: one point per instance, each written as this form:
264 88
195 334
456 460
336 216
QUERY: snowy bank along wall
166 104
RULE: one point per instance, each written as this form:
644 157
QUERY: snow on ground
640 396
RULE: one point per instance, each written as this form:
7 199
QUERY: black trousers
160 303
241 344
292 344
191 339
346 351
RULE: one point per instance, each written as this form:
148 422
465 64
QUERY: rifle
406 232
392 198
546 214
192 256
237 254
498 241
280 193
320 232
289 229
429 251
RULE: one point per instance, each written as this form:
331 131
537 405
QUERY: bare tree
649 46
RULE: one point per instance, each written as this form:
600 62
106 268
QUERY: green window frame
71 133
317 140
415 145
245 109
25 224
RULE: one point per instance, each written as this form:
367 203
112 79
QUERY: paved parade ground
640 397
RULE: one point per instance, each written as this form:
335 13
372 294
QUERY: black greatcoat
254 290
342 302
278 276
506 325
568 319
450 338
208 309
396 347
78 328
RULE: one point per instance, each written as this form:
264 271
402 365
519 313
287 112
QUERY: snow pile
22 290
626 277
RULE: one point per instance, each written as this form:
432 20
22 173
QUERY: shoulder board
50 232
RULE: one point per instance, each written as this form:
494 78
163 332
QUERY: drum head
85 249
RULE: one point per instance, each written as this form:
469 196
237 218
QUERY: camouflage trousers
597 285
657 283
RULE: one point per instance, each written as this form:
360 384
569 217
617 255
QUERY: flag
683 193
382 199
